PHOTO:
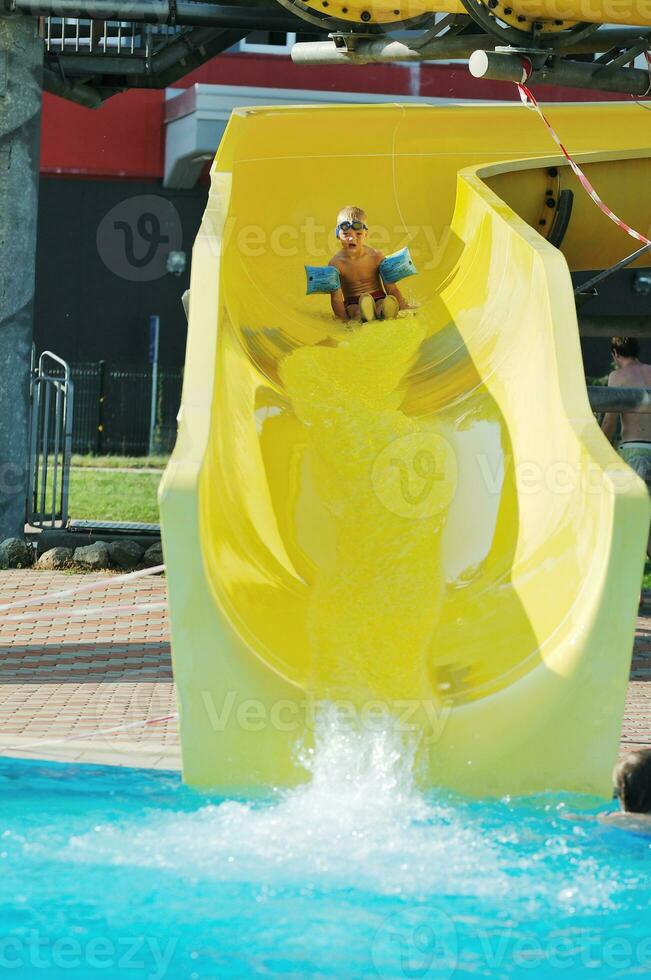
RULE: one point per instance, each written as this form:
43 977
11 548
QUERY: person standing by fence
635 440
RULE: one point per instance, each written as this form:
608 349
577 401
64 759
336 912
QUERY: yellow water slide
550 16
416 518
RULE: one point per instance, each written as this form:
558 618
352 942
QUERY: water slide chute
418 517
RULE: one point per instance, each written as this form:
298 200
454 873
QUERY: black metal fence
112 408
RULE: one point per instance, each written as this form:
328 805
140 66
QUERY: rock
14 553
125 554
93 555
154 555
55 558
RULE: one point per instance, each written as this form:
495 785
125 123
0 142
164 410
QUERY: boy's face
351 238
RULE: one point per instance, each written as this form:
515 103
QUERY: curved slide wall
418 516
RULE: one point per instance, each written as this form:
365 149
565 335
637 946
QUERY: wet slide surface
416 518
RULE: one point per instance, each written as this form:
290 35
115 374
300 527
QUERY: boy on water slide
363 295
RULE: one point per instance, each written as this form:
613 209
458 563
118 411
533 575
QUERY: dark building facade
92 303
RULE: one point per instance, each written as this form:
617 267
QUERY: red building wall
125 137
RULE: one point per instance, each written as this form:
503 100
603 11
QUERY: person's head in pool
632 779
352 228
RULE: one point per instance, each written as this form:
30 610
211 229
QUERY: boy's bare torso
635 425
358 272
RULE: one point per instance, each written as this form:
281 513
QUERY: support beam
367 50
187 52
615 326
587 288
184 13
382 49
81 94
620 399
505 67
21 56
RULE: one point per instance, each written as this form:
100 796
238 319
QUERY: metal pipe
58 388
82 94
504 67
637 400
94 64
184 12
67 447
615 326
382 49
186 51
45 448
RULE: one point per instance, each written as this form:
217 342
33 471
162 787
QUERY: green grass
121 462
107 496
646 578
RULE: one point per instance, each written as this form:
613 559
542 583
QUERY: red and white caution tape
96 734
86 587
530 102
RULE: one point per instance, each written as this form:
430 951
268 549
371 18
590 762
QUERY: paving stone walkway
636 730
65 681
79 689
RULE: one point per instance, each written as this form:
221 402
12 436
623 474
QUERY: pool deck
99 690
88 689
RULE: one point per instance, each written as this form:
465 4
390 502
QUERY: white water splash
359 821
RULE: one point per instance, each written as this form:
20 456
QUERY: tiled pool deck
75 676
64 680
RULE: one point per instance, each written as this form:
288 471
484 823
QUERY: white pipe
364 51
90 587
100 612
96 734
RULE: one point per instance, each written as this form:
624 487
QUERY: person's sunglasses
348 225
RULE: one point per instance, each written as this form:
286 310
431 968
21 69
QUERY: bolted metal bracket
538 57
344 41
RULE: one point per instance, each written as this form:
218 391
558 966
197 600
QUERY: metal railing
620 400
113 410
50 446
72 35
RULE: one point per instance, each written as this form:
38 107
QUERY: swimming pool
126 873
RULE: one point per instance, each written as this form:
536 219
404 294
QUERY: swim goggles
347 225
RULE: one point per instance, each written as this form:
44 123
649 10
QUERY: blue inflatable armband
397 266
322 279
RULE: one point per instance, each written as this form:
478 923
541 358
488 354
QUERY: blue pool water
126 873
